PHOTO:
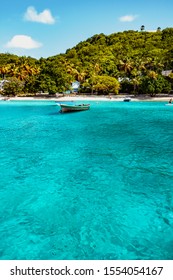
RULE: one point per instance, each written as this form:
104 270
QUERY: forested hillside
129 61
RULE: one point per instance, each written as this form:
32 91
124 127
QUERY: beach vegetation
154 86
105 84
122 62
13 87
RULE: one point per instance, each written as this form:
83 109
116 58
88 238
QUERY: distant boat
127 99
170 102
74 108
5 99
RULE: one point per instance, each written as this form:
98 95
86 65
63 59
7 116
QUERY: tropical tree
152 75
135 79
154 84
4 70
142 27
158 29
126 67
13 87
105 84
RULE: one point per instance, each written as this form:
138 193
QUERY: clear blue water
88 185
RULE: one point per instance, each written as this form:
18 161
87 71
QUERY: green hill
129 61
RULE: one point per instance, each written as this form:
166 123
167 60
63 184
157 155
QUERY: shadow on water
63 113
54 113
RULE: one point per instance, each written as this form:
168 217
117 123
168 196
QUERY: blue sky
42 28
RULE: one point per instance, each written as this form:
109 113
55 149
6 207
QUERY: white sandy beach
88 98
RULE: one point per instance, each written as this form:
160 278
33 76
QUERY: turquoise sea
88 185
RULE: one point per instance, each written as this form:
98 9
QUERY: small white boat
74 107
127 99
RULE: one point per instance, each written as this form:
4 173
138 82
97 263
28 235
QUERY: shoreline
87 98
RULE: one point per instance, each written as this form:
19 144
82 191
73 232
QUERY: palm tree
4 70
23 71
152 74
141 66
81 76
126 66
97 68
94 72
158 29
136 77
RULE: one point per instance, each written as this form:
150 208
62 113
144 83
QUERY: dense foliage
129 61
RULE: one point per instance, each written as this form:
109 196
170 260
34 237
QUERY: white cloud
23 42
43 17
128 18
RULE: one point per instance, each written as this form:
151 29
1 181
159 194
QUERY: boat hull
128 99
74 108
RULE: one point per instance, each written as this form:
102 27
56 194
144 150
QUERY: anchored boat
127 99
74 108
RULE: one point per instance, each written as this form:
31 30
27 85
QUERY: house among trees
166 73
75 86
